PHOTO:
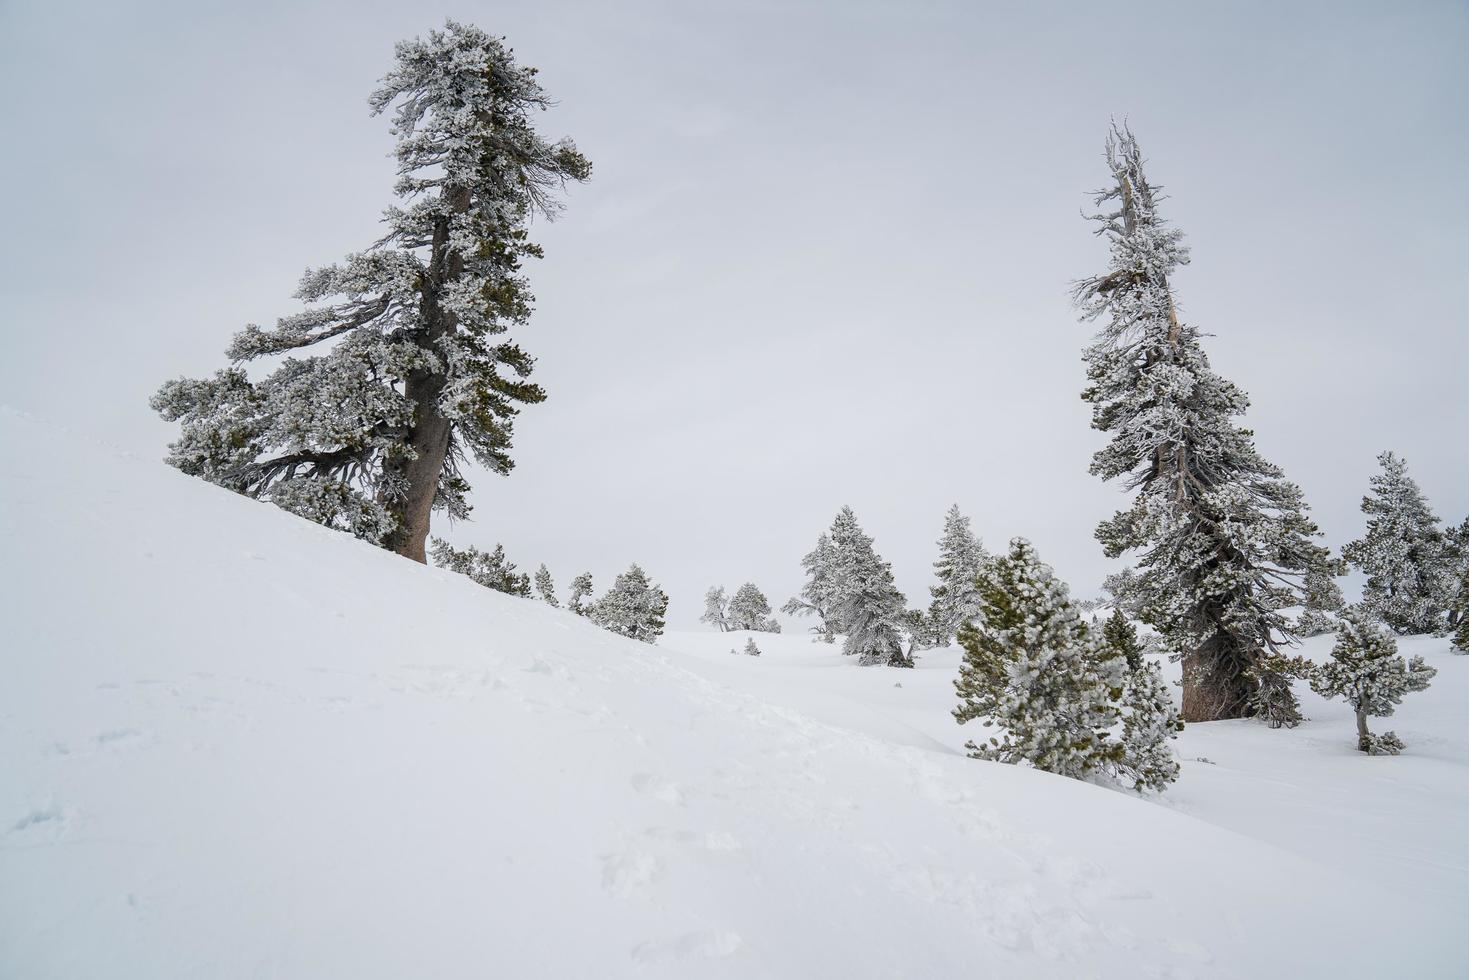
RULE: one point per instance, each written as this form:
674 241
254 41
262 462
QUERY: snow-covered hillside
233 744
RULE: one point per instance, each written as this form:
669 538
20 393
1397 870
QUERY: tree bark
1364 737
429 436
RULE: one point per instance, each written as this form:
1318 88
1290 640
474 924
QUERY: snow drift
235 744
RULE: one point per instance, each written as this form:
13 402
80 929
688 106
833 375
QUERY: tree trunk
1212 690
1364 737
429 437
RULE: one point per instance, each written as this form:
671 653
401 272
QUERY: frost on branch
399 370
1221 537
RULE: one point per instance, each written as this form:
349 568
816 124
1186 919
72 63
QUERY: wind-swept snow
234 744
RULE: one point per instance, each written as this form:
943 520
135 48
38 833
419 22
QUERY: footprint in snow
713 944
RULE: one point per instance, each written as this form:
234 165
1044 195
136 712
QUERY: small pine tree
490 569
1031 668
1457 581
634 607
867 602
545 588
1461 634
818 596
1149 719
750 610
716 609
581 587
1367 672
750 648
1404 554
960 562
1323 599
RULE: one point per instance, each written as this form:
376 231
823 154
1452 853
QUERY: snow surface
234 744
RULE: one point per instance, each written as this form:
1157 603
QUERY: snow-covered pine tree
489 568
545 588
750 610
633 607
1461 631
716 609
1365 669
819 594
1031 668
581 588
1322 599
1222 535
414 373
1149 720
750 648
1404 553
960 562
865 600
1457 582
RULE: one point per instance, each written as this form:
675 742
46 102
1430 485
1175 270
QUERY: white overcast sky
823 260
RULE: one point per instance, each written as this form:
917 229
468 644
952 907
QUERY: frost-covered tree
633 607
1031 668
1322 599
413 372
1461 630
1367 672
1404 553
1149 719
960 562
1121 590
865 599
545 588
750 610
750 648
489 568
1221 535
1456 583
716 609
819 594
581 588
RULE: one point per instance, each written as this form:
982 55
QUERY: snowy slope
236 745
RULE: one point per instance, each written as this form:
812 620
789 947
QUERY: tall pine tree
1222 536
414 373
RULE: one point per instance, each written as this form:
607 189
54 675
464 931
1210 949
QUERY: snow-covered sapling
1031 669
750 648
581 588
956 596
1366 670
716 609
633 607
489 568
750 610
1149 719
545 588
